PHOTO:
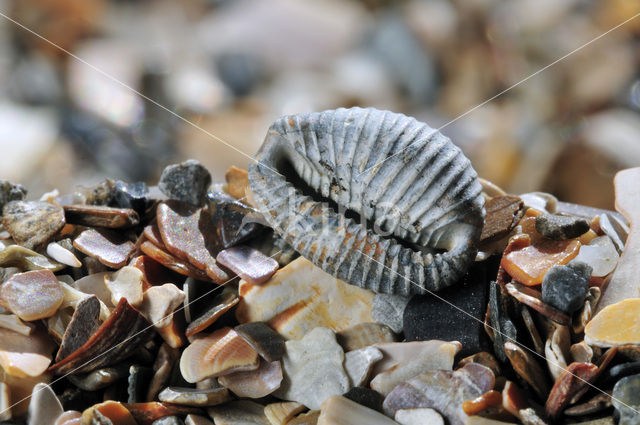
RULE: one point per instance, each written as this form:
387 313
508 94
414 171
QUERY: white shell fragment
338 410
418 416
13 322
125 283
406 179
281 413
358 364
159 303
62 255
44 407
313 369
440 353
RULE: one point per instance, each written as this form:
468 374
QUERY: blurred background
232 67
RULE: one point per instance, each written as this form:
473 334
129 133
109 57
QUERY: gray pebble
626 400
388 310
187 182
560 227
565 287
11 192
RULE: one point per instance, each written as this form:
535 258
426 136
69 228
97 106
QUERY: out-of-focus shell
317 175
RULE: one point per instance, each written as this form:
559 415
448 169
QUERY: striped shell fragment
375 198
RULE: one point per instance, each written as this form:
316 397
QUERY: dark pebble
366 397
11 192
186 182
235 222
565 287
130 195
617 372
561 227
262 338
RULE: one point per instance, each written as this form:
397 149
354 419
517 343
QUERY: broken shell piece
481 420
32 295
557 350
300 297
100 216
110 248
248 263
339 410
241 412
137 382
435 193
159 303
72 297
110 412
84 323
219 305
598 403
533 299
95 284
418 416
282 413
583 316
26 259
255 383
32 224
44 406
529 264
572 380
172 262
116 339
541 201
428 355
363 335
615 325
528 369
62 255
502 214
219 353
313 369
581 352
488 400
20 389
616 228
163 366
309 418
359 363
485 359
13 322
197 420
237 182
267 342
147 413
101 378
600 254
125 283
529 323
70 417
194 397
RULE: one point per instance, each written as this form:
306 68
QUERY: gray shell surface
318 176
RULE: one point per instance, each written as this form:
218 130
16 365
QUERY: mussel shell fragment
416 189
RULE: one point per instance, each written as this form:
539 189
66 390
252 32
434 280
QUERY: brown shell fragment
147 413
237 182
172 262
533 299
84 323
527 367
598 403
110 248
363 335
267 342
399 174
219 305
100 216
568 384
502 214
32 224
117 338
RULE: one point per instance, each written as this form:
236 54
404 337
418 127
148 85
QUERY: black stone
130 195
565 287
235 222
503 328
459 317
186 182
138 383
561 227
241 72
11 192
366 397
168 420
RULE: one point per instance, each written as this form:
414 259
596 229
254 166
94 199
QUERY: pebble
616 325
527 367
130 195
600 254
190 236
44 407
125 283
248 263
300 297
313 369
561 227
282 413
442 390
262 338
502 214
11 192
565 287
255 383
197 420
366 397
626 400
26 259
581 352
339 410
194 397
13 322
159 303
84 323
110 248
32 295
359 363
573 380
168 420
388 309
219 305
363 335
241 412
237 181
533 299
223 351
623 283
101 378
32 224
187 181
403 361
418 416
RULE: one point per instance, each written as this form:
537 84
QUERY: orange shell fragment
529 265
615 325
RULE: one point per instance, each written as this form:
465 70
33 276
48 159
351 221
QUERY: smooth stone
502 214
222 352
617 372
130 195
218 306
32 224
388 309
101 216
418 416
237 181
235 221
248 263
359 363
565 287
168 420
138 383
366 397
575 378
197 420
159 303
313 369
187 181
262 338
62 255
339 410
101 378
561 227
282 413
194 397
442 390
125 283
172 262
615 325
600 254
84 323
503 328
300 297
255 383
70 417
32 295
11 192
527 367
625 281
13 322
44 407
533 298
430 355
110 248
582 352
188 233
364 335
26 259
241 412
